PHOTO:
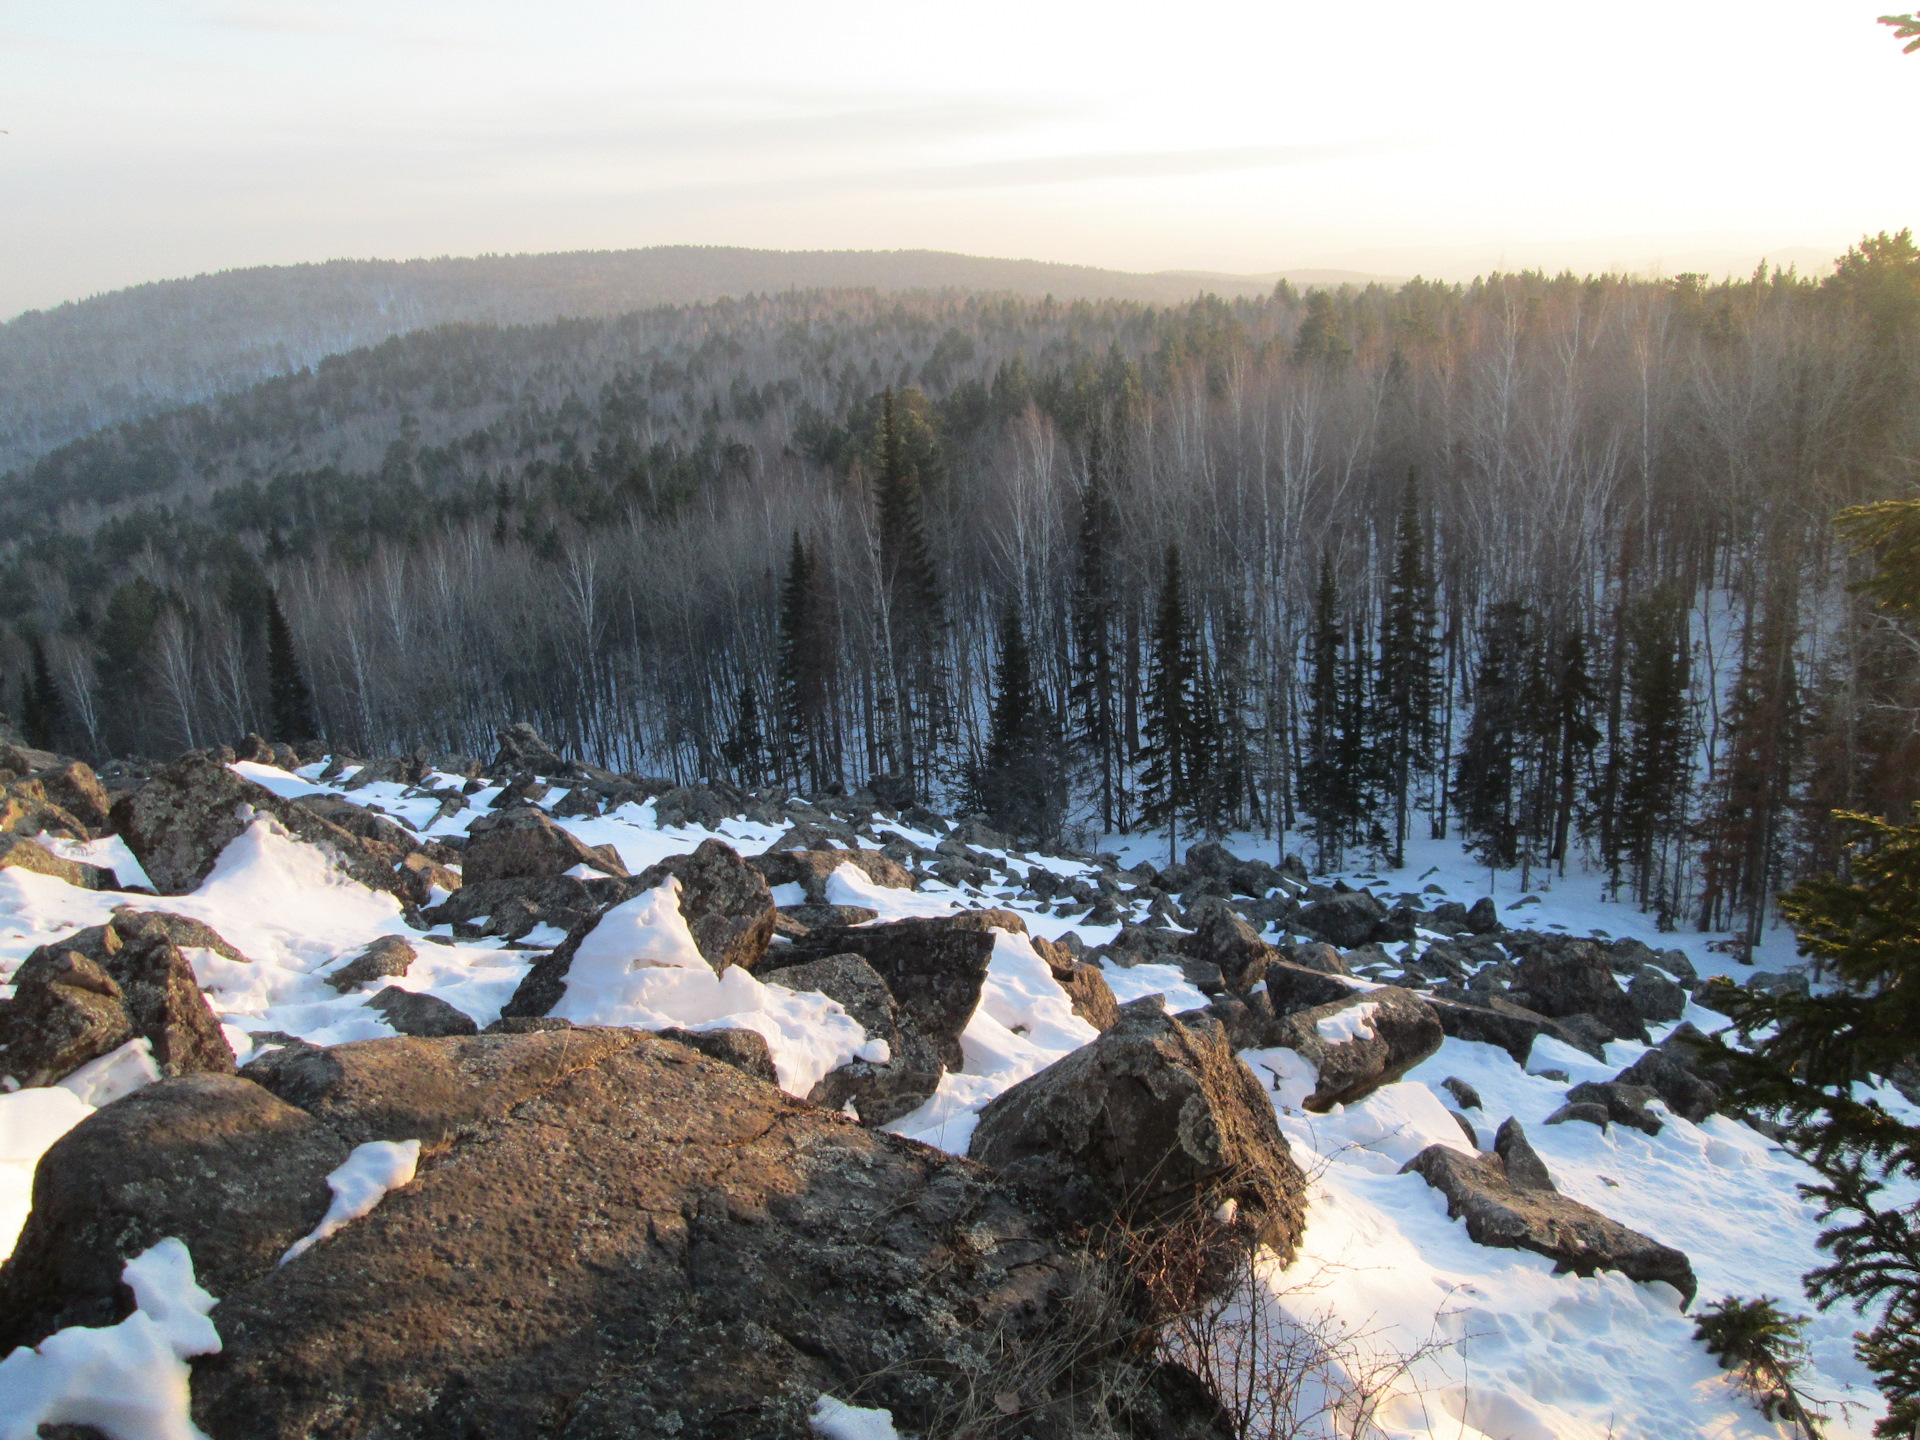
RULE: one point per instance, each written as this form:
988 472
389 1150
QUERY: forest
1547 563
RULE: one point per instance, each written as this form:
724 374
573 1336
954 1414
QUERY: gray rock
1222 939
745 1050
1087 989
1525 1169
413 1013
1587 1113
1679 1074
1576 1237
1343 921
511 908
1483 916
1467 1097
522 842
880 1094
1398 1031
1146 1124
66 1010
19 853
384 958
812 917
810 869
724 900
1561 977
1656 997
1624 1104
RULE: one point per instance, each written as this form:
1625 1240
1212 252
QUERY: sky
148 139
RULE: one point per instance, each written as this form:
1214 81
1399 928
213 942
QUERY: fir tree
911 593
1328 789
289 702
1021 782
1657 771
1164 782
41 720
744 749
1404 694
806 672
1575 734
1484 785
1093 693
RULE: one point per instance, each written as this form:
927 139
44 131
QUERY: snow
361 1183
119 1072
30 1121
129 1380
640 967
1353 1023
836 1420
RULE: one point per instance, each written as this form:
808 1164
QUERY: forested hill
71 370
1547 561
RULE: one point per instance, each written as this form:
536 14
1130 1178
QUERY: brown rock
413 1013
724 900
73 786
22 854
810 869
389 955
1087 989
182 931
511 908
1223 939
66 1010
522 842
1398 1032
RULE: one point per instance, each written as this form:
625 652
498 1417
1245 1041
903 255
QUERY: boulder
1678 1071
724 900
1464 1094
1622 1103
66 1010
1087 989
420 875
1483 916
19 853
25 810
511 908
1656 997
214 1159
1496 1020
1296 987
1524 1167
72 785
522 749
358 820
179 821
1344 920
745 1050
1561 977
1247 1021
413 1013
880 1092
522 842
187 933
813 917
701 806
387 956
1360 1042
1145 1125
933 967
1221 938
810 869
1500 1211
630 1239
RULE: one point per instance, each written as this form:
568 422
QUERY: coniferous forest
1546 563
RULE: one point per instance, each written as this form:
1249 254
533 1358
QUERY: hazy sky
156 138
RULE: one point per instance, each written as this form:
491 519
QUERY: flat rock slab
1575 1237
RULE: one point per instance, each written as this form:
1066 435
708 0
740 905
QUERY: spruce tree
806 672
1021 782
1095 673
1168 726
43 707
911 594
1327 792
1404 693
289 702
744 749
1484 784
1656 778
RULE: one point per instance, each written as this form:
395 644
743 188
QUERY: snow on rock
639 966
836 1420
360 1184
1354 1023
120 1072
129 1380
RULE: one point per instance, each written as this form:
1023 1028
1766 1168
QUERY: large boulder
1506 1209
609 1235
522 842
725 901
1560 977
1147 1123
1221 938
1344 920
1301 987
522 749
26 810
1361 1042
1496 1020
19 853
880 1091
412 1012
358 819
179 821
933 967
72 785
1087 989
512 908
1679 1071
810 869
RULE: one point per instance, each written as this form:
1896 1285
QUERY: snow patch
361 1183
836 1420
1353 1023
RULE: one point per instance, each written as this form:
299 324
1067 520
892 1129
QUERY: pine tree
1327 789
1093 693
289 702
43 707
744 749
1164 782
911 593
1576 736
1404 694
1021 782
1484 785
1656 778
806 672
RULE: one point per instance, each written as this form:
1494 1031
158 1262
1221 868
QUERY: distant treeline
1544 561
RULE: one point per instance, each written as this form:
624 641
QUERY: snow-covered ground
1522 1353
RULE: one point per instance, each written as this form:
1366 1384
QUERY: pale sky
156 138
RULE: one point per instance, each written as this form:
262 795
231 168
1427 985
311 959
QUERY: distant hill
78 367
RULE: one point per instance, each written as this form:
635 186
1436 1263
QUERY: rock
387 956
1343 921
1360 1042
1483 916
1140 945
879 1093
725 902
211 1158
1318 955
810 869
25 759
1466 1128
1295 987
1656 997
1223 939
164 1004
1673 1071
933 967
520 791
1247 1021
745 1050
73 786
811 917
522 749
66 1011
1498 1021
511 908
1525 1169
179 821
1144 1125
1560 977
359 820
1464 1094
413 1013
25 810
1589 1114
1087 989
420 876
22 854
1575 1237
633 1241
579 802
188 934
1624 1104
521 842
1399 923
